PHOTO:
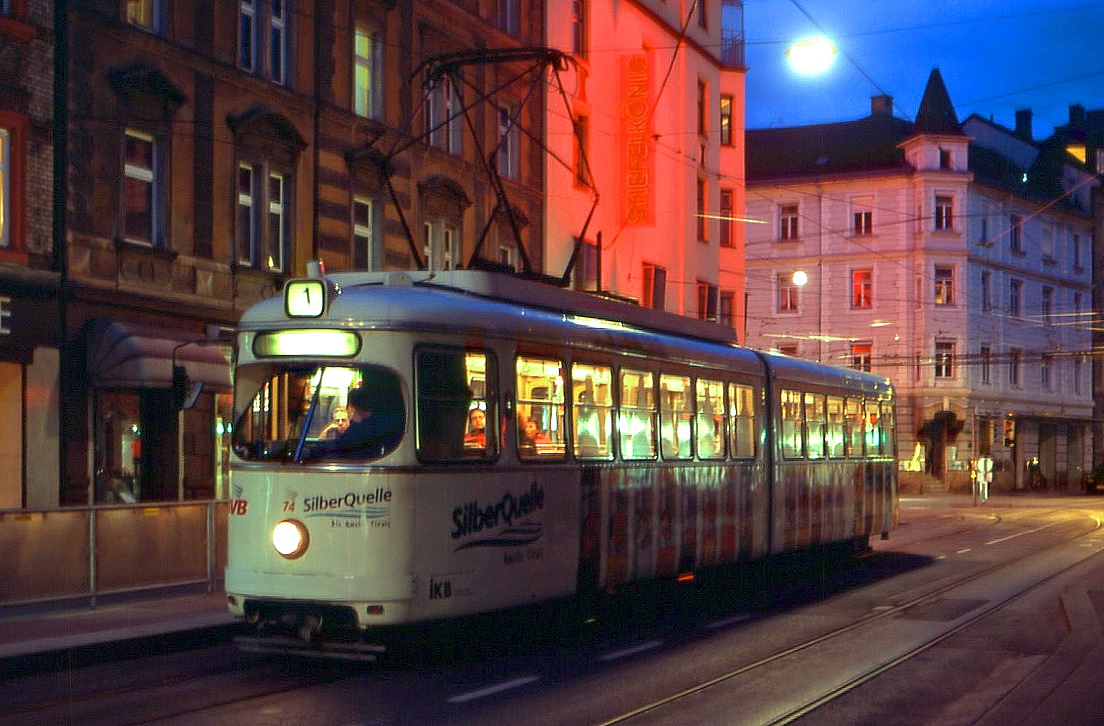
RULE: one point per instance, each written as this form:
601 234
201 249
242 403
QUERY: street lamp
812 56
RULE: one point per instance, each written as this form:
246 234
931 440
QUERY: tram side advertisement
498 539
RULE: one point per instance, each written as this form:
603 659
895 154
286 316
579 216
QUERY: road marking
491 690
625 653
727 622
962 552
1020 534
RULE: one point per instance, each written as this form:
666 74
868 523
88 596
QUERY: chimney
1023 123
1076 114
881 105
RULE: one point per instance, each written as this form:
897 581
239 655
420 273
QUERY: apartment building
953 257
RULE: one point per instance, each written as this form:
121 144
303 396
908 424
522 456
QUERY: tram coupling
306 630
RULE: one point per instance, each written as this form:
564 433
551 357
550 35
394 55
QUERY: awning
135 355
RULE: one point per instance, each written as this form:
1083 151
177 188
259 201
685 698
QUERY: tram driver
375 425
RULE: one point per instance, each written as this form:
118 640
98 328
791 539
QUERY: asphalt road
988 614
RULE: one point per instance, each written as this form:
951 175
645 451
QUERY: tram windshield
296 413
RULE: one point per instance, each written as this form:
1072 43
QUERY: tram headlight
290 538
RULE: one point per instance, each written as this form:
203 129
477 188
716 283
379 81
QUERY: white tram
620 444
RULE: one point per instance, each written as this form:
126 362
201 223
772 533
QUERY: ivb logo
238 507
439 590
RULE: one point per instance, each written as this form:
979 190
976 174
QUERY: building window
579 39
1046 306
144 14
1075 252
367 74
727 210
862 288
944 358
944 285
862 217
787 222
986 291
654 287
508 151
985 354
262 235
1078 303
703 108
443 108
1014 356
263 38
440 244
789 349
364 247
1046 242
582 149
1015 298
1046 371
726 120
707 301
726 308
862 355
1015 233
509 16
946 160
1077 366
586 271
142 213
7 183
944 214
703 13
787 294
703 221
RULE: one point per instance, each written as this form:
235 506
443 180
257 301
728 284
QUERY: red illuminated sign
637 160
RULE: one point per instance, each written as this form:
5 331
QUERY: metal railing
90 552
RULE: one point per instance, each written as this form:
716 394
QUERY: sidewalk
52 632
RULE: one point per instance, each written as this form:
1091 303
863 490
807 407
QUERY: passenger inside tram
476 437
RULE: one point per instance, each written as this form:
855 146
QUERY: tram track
654 711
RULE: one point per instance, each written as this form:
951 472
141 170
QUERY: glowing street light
800 278
812 56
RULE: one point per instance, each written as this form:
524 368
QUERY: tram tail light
290 538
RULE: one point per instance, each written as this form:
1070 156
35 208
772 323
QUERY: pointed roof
937 114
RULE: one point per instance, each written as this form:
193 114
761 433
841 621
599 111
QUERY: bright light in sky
812 56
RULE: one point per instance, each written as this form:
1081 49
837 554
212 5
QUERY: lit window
440 244
862 288
144 14
726 120
366 75
263 219
275 239
944 285
944 358
862 355
862 218
246 231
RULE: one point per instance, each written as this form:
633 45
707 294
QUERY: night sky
996 56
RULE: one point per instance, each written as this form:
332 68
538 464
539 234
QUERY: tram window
710 423
675 411
741 399
835 430
637 418
792 425
889 429
305 413
853 427
456 405
873 430
592 411
540 408
816 425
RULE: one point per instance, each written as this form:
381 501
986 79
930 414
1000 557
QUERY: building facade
214 148
29 282
645 154
955 259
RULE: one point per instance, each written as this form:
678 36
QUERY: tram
524 443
